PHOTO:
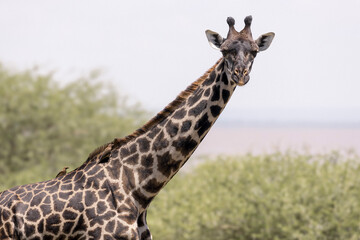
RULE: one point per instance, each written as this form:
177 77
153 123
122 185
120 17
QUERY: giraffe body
107 197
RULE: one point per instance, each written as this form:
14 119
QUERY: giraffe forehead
239 44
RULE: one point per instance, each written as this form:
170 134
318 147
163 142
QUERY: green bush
278 196
45 125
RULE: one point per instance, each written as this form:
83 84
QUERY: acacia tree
45 126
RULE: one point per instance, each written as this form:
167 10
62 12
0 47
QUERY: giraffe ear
265 40
215 40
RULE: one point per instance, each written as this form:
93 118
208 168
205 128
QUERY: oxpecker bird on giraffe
107 197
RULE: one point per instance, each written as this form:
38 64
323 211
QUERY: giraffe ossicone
108 195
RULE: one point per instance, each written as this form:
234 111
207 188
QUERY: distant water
263 139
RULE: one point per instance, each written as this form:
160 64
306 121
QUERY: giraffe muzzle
240 79
244 80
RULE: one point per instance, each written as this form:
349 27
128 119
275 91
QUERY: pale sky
152 50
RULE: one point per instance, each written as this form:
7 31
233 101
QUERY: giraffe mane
169 109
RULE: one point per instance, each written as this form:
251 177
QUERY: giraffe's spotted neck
146 160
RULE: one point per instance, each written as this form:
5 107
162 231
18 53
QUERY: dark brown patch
130 218
78 176
217 78
114 153
147 160
179 114
216 93
220 67
207 92
210 79
29 230
144 144
186 125
144 173
128 179
91 214
224 79
90 198
110 226
69 215
37 199
96 233
8 229
124 151
141 198
33 215
202 125
5 214
172 128
120 229
160 142
195 97
54 188
100 207
195 111
215 110
66 187
67 227
18 190
225 95
153 186
2 231
68 177
166 164
80 225
28 197
153 132
48 237
80 183
146 234
185 145
58 204
52 224
114 169
45 209
76 202
132 160
93 182
40 226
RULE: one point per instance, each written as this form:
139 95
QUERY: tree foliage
279 196
45 126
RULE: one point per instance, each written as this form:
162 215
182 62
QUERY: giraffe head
239 49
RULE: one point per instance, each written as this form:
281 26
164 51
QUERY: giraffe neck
149 158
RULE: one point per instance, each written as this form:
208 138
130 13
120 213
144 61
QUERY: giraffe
108 195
